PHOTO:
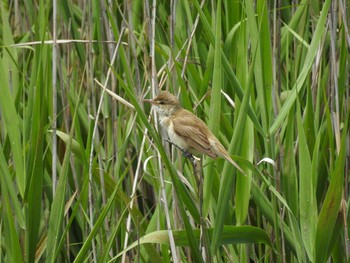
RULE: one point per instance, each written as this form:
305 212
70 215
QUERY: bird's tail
221 151
228 158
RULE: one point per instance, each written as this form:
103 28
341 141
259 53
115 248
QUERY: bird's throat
166 116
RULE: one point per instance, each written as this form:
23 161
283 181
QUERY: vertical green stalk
332 203
307 198
215 105
7 105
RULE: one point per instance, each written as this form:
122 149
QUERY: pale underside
184 134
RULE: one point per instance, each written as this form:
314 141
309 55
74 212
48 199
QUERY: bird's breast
164 121
173 136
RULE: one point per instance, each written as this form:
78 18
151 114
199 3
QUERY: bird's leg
195 161
185 152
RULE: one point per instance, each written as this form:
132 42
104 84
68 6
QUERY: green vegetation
85 175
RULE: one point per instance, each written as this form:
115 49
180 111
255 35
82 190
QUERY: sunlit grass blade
230 235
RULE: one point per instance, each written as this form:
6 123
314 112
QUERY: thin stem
96 124
54 99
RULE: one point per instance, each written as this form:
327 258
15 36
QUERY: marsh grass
85 173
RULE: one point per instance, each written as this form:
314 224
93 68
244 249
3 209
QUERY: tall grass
85 174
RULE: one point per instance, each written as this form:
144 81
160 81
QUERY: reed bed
85 172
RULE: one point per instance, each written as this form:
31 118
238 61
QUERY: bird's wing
193 135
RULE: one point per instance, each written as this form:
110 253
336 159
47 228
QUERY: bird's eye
161 102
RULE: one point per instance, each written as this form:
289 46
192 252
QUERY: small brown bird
186 130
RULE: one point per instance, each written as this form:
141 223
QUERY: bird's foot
190 156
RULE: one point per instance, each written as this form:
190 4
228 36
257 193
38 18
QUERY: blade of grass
307 192
57 207
10 236
6 180
242 187
35 156
331 206
262 87
309 59
58 204
290 180
228 69
215 108
230 235
12 126
228 176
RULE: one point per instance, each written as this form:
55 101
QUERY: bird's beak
147 100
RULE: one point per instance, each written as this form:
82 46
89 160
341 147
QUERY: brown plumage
186 130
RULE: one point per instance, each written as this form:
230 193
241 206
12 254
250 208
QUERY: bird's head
165 103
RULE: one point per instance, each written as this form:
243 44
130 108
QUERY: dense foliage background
85 175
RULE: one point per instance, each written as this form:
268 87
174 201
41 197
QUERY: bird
186 130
